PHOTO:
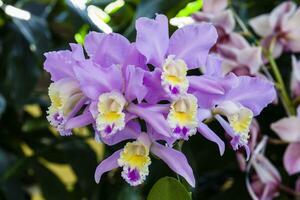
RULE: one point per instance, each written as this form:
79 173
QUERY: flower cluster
114 85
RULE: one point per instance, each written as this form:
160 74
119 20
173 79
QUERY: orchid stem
286 101
281 86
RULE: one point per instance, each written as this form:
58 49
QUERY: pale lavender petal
205 84
131 131
77 52
107 49
96 80
155 119
206 132
175 160
106 165
213 65
59 64
134 87
152 39
288 129
261 25
192 43
291 158
214 5
135 58
253 92
152 81
79 121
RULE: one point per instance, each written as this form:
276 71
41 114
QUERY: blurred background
35 162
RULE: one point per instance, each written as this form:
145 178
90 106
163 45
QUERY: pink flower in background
288 129
238 55
215 11
280 30
295 78
265 183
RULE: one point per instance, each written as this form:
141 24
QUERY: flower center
183 116
111 117
173 78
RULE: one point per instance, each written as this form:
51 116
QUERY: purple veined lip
133 175
57 117
174 90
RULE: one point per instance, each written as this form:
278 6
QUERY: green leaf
168 188
190 8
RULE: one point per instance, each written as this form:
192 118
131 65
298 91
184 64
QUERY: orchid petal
152 39
291 158
95 80
175 160
134 84
155 119
131 131
194 52
79 121
253 92
288 129
107 49
106 165
206 132
214 5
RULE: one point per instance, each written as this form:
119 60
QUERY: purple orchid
280 29
135 159
113 80
244 98
288 129
65 94
295 77
172 57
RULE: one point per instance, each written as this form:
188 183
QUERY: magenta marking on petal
58 118
133 175
184 131
177 130
108 129
174 90
235 142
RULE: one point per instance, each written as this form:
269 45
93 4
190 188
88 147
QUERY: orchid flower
244 98
265 181
288 129
238 56
215 11
65 94
172 57
280 29
295 77
134 159
113 80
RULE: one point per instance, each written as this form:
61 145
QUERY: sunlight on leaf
190 8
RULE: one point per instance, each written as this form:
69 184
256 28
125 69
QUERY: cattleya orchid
118 84
279 29
237 54
65 94
288 129
134 159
